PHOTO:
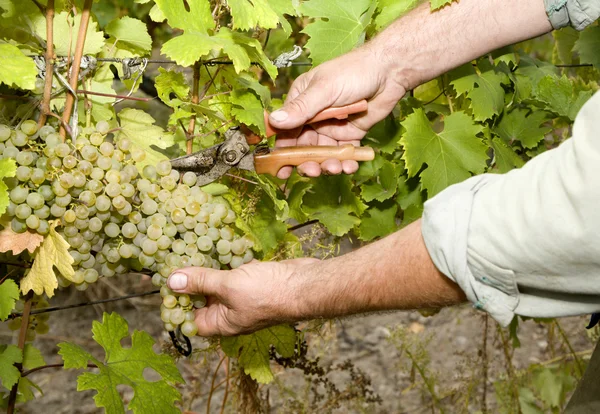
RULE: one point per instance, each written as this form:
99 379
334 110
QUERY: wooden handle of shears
341 112
272 162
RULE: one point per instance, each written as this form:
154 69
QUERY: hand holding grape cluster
116 219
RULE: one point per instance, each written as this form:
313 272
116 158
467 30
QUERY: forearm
393 273
423 45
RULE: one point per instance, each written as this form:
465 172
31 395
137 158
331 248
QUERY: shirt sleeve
526 242
577 13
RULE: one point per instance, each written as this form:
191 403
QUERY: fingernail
279 115
177 281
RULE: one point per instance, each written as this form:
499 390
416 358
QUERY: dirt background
452 340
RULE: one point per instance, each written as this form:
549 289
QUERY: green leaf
484 90
588 46
32 357
378 222
248 110
390 10
338 27
560 97
564 43
249 15
171 82
125 366
518 126
283 7
550 386
16 70
9 294
252 350
8 168
527 402
332 201
505 158
9 356
66 28
438 4
191 15
385 135
295 197
131 34
215 189
282 210
451 156
385 186
139 128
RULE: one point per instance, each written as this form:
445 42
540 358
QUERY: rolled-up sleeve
526 242
576 13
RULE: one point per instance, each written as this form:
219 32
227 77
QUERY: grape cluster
115 218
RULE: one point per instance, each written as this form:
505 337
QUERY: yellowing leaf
16 68
54 251
66 29
18 242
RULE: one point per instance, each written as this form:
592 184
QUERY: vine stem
195 100
31 371
509 368
227 377
568 343
74 78
108 95
484 364
212 384
12 399
45 106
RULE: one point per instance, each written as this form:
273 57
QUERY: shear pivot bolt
230 156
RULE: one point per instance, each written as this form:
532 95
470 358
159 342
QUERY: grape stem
189 135
74 78
31 371
45 106
12 399
79 305
108 95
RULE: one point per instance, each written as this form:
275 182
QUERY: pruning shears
212 163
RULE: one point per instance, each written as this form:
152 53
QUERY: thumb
306 105
196 281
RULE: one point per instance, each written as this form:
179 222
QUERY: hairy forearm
393 273
424 44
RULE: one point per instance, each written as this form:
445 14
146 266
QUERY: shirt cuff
445 229
577 13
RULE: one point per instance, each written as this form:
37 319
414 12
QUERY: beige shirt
528 242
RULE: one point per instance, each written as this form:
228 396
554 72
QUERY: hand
254 296
360 74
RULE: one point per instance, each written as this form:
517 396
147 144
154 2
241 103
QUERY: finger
285 172
331 167
349 166
306 105
207 321
309 169
196 280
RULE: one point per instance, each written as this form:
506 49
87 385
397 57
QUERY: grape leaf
385 135
438 4
250 14
332 201
505 157
125 366
484 90
54 252
9 294
282 210
451 155
9 356
588 46
131 33
66 28
193 15
263 225
517 126
16 70
564 43
297 192
338 27
18 242
32 357
248 110
171 82
378 222
385 186
560 96
283 7
390 10
8 168
139 128
252 350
